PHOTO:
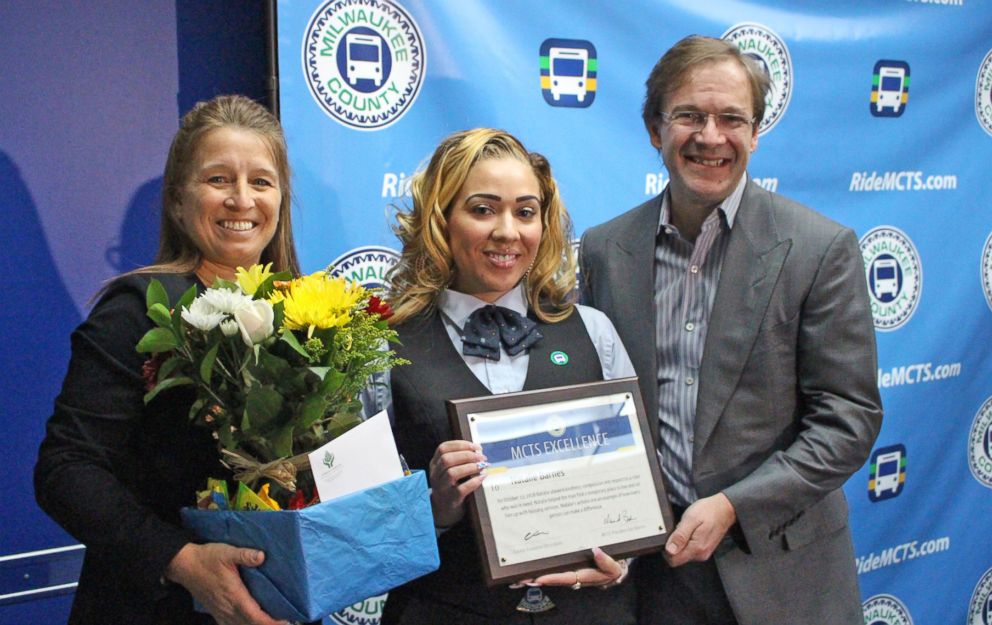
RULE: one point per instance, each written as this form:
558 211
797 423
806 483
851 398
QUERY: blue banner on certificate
571 468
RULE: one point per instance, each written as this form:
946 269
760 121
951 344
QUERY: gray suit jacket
788 405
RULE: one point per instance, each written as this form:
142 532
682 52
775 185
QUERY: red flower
149 370
298 501
379 307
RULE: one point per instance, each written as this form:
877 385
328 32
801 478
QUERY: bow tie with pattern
490 325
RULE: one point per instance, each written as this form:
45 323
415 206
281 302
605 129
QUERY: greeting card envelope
321 559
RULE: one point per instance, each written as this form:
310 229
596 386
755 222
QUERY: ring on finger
577 585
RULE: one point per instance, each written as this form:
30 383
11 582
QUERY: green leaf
207 365
160 315
290 339
282 441
156 295
157 340
332 382
262 406
166 384
169 366
320 371
342 422
313 410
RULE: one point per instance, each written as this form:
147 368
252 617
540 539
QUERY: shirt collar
458 306
728 207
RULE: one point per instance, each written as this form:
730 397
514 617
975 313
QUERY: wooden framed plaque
571 468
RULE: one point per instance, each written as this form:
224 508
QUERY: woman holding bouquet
115 472
488 227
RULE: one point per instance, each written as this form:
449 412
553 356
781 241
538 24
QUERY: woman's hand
210 573
454 473
608 572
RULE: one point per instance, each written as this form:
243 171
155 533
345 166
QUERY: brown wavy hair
426 266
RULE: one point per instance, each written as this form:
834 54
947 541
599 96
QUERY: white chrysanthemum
202 315
225 301
229 327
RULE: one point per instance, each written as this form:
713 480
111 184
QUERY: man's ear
656 137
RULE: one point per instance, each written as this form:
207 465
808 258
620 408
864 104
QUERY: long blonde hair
426 266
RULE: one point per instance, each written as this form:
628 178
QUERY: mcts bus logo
887 472
568 72
983 94
364 61
885 610
980 446
889 88
895 276
761 44
980 608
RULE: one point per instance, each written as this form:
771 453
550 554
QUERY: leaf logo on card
328 459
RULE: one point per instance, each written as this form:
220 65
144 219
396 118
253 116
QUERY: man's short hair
672 71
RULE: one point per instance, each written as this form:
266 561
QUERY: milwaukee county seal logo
895 276
366 612
762 45
885 610
366 265
983 94
364 61
980 608
987 270
980 446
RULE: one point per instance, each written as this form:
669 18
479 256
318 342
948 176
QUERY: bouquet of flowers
277 364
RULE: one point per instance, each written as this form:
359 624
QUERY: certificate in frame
571 468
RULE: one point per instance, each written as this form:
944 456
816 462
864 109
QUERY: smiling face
705 166
494 227
229 205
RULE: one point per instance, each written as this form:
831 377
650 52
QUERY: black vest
419 391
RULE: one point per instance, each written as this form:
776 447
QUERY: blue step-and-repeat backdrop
880 117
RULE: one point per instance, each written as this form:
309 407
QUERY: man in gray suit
746 317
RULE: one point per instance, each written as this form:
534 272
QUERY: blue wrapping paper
321 559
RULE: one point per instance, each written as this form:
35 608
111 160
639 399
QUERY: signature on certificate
534 534
619 517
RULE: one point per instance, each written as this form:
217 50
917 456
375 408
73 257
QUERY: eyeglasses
696 120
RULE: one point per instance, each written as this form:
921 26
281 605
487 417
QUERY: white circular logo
366 265
885 610
980 608
361 613
364 61
987 270
555 426
980 446
767 48
983 94
895 276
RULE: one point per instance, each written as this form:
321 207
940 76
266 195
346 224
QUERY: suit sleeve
586 271
88 454
839 409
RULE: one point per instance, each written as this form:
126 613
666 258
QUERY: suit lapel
754 258
631 252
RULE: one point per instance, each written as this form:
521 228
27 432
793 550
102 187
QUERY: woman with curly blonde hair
483 297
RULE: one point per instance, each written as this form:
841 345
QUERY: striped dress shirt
685 281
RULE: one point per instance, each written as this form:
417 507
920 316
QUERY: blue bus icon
568 72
